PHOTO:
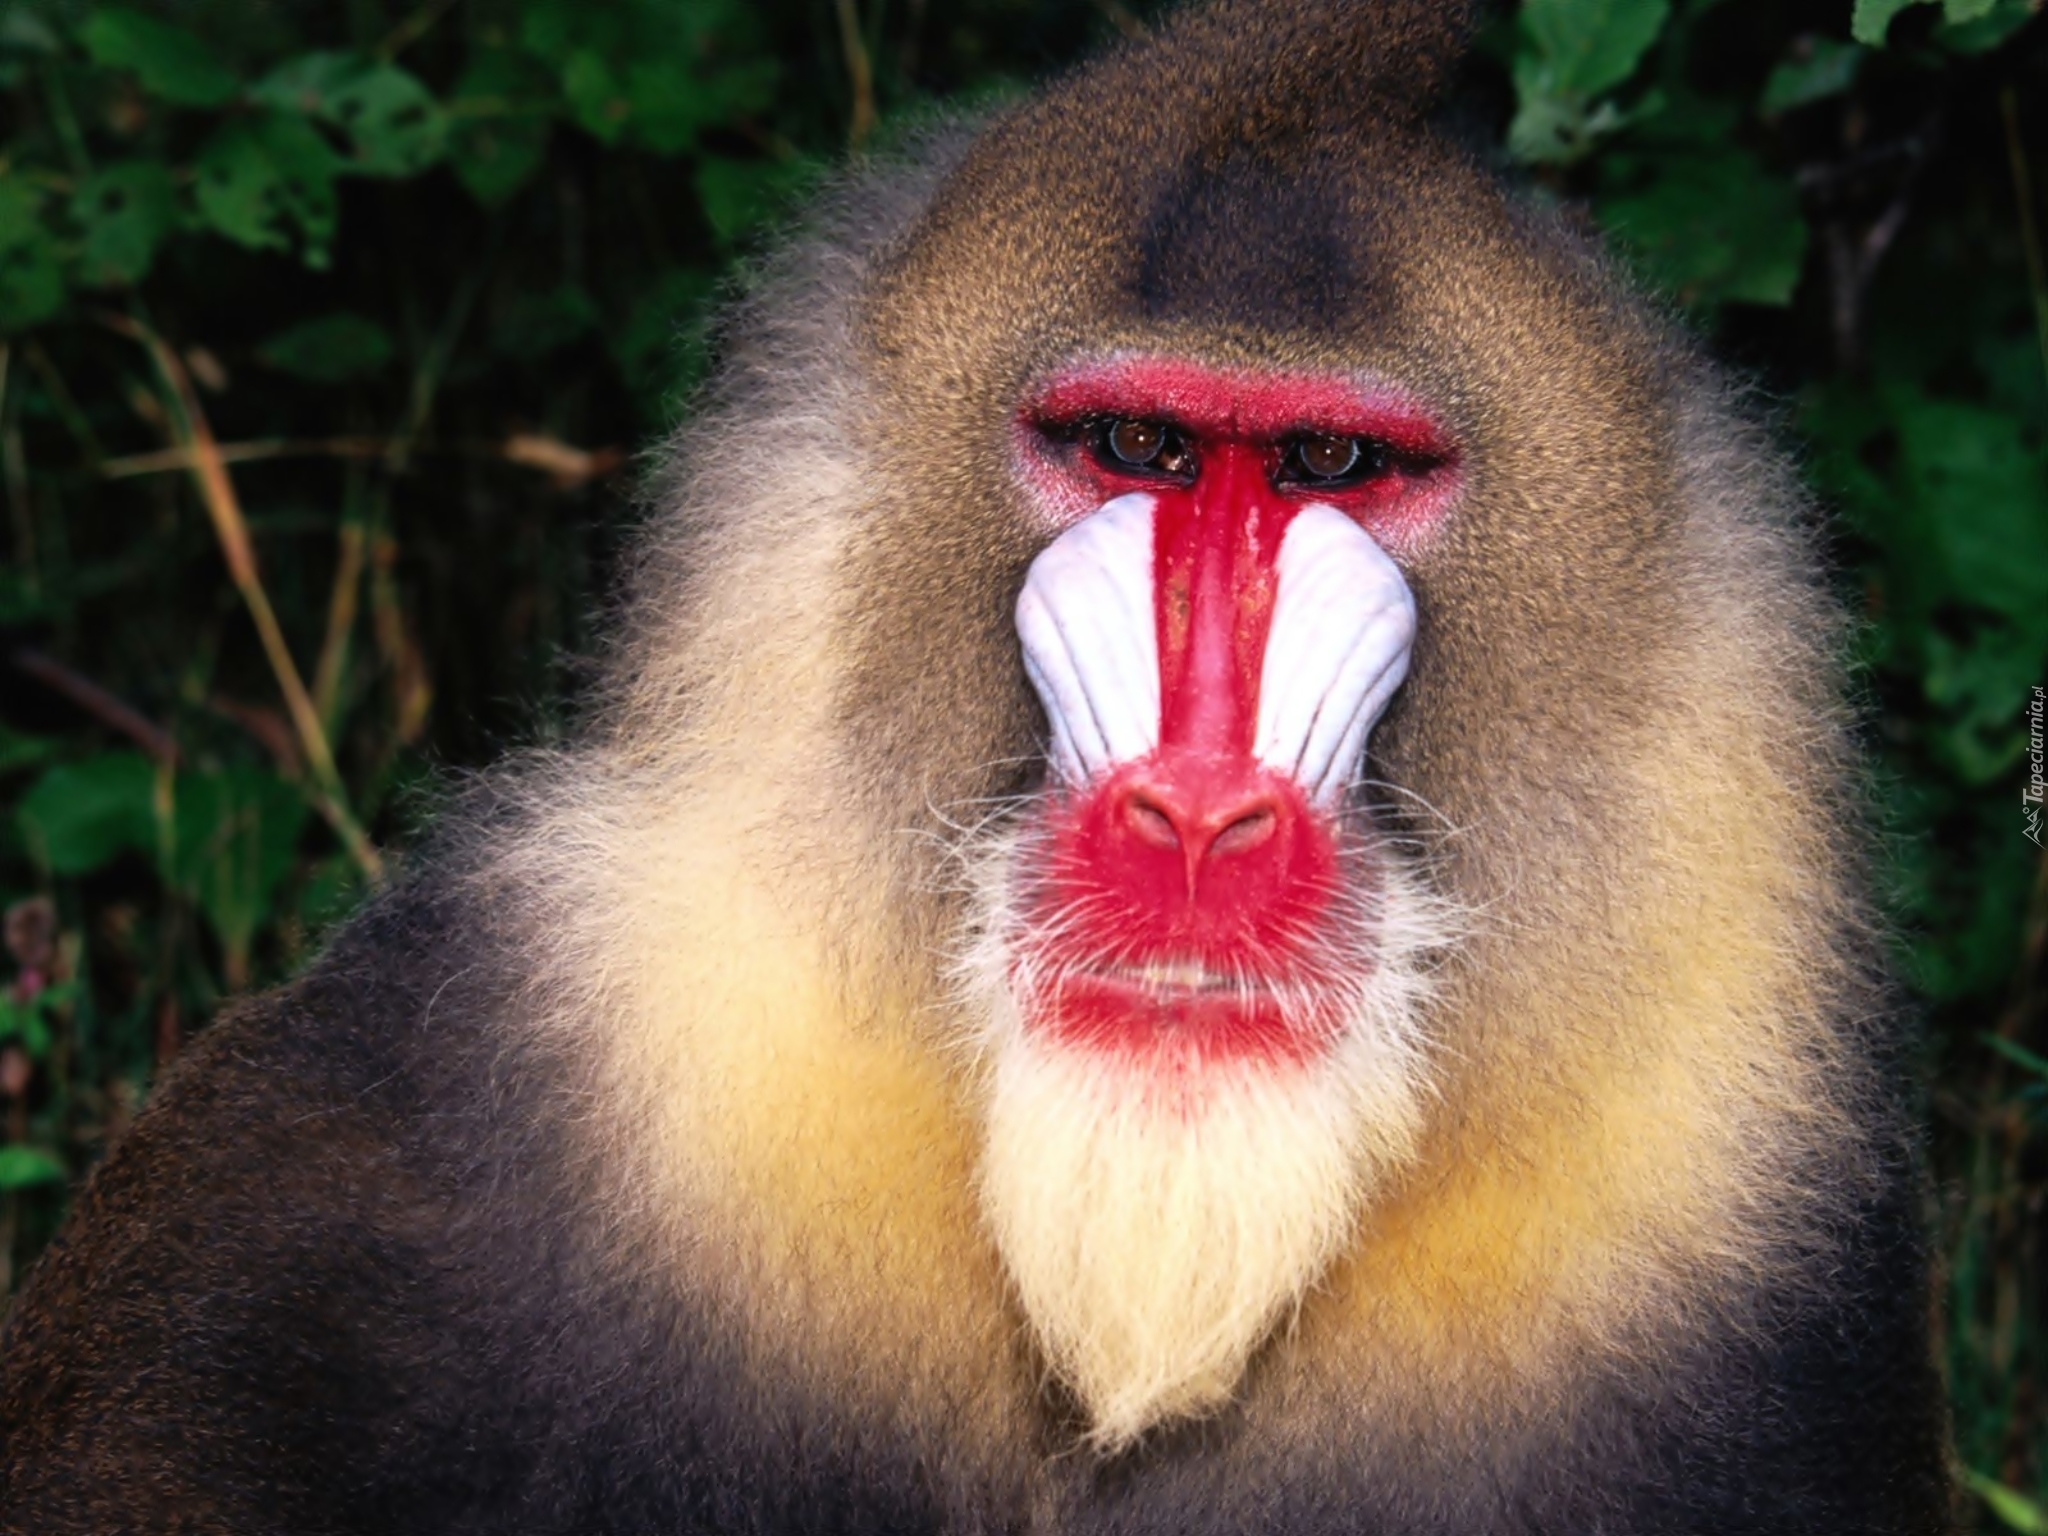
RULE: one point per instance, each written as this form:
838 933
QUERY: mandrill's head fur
1226 751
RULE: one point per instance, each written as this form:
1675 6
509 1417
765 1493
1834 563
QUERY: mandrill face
1198 976
1213 639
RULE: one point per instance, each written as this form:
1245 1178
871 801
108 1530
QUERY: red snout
1208 857
1218 821
1183 901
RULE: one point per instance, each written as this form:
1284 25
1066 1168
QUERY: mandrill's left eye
1132 445
1333 461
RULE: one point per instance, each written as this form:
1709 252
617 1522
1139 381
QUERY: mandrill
1213 891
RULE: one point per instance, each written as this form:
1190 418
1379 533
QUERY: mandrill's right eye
1137 442
1133 445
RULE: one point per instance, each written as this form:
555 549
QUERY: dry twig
231 532
98 702
860 74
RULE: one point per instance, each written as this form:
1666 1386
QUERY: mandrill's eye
1137 442
1333 461
1132 445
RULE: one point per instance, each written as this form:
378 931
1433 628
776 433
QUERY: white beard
1159 1217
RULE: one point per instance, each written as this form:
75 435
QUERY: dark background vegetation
328 330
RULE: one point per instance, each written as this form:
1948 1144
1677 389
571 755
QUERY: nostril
1245 833
1151 821
1202 822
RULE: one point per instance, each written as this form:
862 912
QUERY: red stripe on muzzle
1196 875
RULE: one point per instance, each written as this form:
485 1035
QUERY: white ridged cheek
1090 638
1343 627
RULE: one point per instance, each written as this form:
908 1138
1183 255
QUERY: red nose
1210 819
1217 818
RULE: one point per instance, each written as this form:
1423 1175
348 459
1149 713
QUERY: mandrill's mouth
1139 939
1183 1014
1183 1007
1173 981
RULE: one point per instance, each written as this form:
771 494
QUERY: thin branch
342 602
426 381
564 463
1122 17
65 121
913 29
267 727
14 468
231 532
2030 233
860 73
66 403
412 689
270 731
568 466
165 460
413 28
1853 255
98 702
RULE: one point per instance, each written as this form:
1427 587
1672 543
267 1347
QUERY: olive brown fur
618 1171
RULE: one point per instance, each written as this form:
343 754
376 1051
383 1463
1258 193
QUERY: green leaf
1592 45
1827 68
18 751
1978 733
500 117
307 83
1977 488
330 349
267 182
2013 1051
170 61
22 1166
25 32
534 324
1550 129
660 349
739 195
1873 18
124 212
1714 229
597 96
2014 1509
1990 25
1568 53
26 1021
671 105
333 888
554 29
81 815
236 838
394 126
657 72
31 267
2011 365
668 105
1963 874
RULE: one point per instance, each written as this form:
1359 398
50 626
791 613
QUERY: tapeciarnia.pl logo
2031 796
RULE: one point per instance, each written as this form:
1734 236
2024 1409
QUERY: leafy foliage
325 332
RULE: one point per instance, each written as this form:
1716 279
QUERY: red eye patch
1246 406
1247 409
